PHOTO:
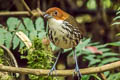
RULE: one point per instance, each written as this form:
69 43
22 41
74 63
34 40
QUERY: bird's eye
55 13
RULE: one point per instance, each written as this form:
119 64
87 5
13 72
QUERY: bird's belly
61 35
61 39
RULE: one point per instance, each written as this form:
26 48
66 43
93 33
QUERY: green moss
39 58
1 54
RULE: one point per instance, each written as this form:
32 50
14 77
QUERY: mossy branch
43 72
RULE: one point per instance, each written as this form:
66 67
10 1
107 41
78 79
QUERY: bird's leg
76 66
53 67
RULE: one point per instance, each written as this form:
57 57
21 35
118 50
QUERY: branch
26 6
44 72
32 13
15 13
36 12
9 53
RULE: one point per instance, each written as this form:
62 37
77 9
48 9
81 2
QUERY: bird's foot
51 71
77 71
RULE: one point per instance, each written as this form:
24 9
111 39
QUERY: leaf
91 4
108 60
95 75
83 44
33 34
94 50
107 3
105 49
85 77
71 53
2 38
29 24
98 56
106 73
12 23
53 46
115 76
39 24
116 23
95 61
118 8
3 31
16 42
100 46
2 35
21 44
21 28
117 17
90 57
118 34
26 32
1 52
1 25
110 54
8 38
114 43
41 34
67 50
118 12
94 44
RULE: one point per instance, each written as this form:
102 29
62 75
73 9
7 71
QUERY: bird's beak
47 16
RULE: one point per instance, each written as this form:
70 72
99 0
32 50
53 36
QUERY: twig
44 72
38 4
32 12
10 54
102 76
36 12
39 12
15 13
26 6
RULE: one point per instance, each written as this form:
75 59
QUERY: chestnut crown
57 13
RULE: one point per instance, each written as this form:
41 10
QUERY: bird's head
56 13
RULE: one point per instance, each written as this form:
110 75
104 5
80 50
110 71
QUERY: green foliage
85 77
114 43
115 76
42 58
91 4
107 3
4 75
117 17
39 57
107 55
94 59
1 55
8 36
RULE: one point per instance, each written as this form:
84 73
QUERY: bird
64 32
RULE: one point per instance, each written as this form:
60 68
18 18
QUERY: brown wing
74 25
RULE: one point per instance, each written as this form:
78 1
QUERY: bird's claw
51 71
77 71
